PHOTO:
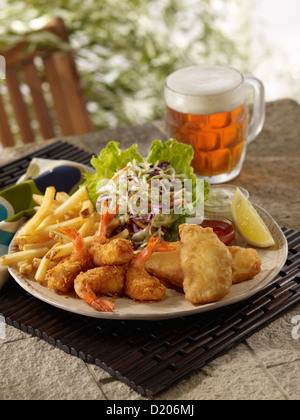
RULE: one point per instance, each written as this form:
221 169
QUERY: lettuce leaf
179 155
110 160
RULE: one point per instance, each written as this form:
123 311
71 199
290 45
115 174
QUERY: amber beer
206 108
218 139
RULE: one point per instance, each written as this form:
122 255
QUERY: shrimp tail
154 245
77 239
165 247
99 304
106 217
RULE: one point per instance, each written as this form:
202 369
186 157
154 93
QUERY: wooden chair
66 115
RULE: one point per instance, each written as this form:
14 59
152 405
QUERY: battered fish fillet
167 266
246 263
140 285
206 264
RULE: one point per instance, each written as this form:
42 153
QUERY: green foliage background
126 48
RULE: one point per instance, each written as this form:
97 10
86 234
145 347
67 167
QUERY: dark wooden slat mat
150 356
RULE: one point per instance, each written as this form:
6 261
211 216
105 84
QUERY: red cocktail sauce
225 231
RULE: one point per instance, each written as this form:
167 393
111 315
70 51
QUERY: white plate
173 304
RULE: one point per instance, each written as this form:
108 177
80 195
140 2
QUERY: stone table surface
264 366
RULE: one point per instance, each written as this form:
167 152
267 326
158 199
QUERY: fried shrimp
139 284
61 277
104 281
109 252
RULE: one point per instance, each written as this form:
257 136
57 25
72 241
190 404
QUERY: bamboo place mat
151 356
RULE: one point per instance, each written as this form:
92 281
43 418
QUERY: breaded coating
111 252
167 265
61 277
206 264
246 263
140 285
104 281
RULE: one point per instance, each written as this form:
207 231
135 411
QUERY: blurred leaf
126 48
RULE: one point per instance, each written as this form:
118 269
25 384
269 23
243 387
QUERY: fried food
167 266
104 281
206 264
64 241
117 251
61 277
246 263
139 284
43 235
68 205
21 256
40 215
42 269
65 250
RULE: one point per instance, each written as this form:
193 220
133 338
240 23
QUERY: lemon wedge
248 222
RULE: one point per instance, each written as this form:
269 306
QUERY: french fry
112 226
47 244
43 235
37 261
79 196
65 250
39 216
89 226
20 256
41 245
62 196
42 270
38 198
87 209
58 236
26 268
124 234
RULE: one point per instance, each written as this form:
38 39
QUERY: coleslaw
154 195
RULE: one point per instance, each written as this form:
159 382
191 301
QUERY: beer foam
205 90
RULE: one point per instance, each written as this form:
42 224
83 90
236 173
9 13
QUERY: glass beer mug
206 107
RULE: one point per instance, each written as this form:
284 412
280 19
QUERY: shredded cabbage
149 191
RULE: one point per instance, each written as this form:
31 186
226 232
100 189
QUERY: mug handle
258 114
